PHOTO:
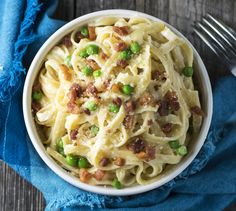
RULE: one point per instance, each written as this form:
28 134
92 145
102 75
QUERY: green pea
97 73
61 151
92 49
188 71
60 147
182 150
83 53
91 106
116 184
126 54
84 31
135 48
68 61
87 71
127 89
83 163
37 95
114 108
60 143
94 130
71 160
174 144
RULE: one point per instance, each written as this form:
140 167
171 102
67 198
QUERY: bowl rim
31 128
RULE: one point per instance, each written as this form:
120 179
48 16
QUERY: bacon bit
104 56
197 110
36 86
149 122
75 91
150 152
129 106
107 83
175 105
65 71
142 150
92 64
163 109
91 89
146 99
73 134
122 63
78 36
117 101
136 146
115 88
86 111
73 108
120 46
172 100
67 41
99 174
119 161
36 106
128 121
141 155
84 175
171 96
166 128
123 30
104 161
92 33
157 75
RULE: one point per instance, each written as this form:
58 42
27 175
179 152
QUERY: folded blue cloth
212 188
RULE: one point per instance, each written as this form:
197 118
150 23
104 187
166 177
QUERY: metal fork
220 38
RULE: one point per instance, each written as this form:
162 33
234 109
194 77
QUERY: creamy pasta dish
115 101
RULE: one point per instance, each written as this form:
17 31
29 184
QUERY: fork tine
220 36
227 29
203 28
214 47
205 39
215 30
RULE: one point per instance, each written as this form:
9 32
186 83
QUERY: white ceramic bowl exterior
205 95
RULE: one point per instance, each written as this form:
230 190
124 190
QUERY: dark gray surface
16 193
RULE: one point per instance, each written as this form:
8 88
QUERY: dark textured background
16 193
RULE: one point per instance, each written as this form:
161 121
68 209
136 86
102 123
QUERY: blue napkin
212 188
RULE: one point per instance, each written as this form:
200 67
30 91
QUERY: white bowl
205 95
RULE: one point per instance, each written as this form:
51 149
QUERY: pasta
116 103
